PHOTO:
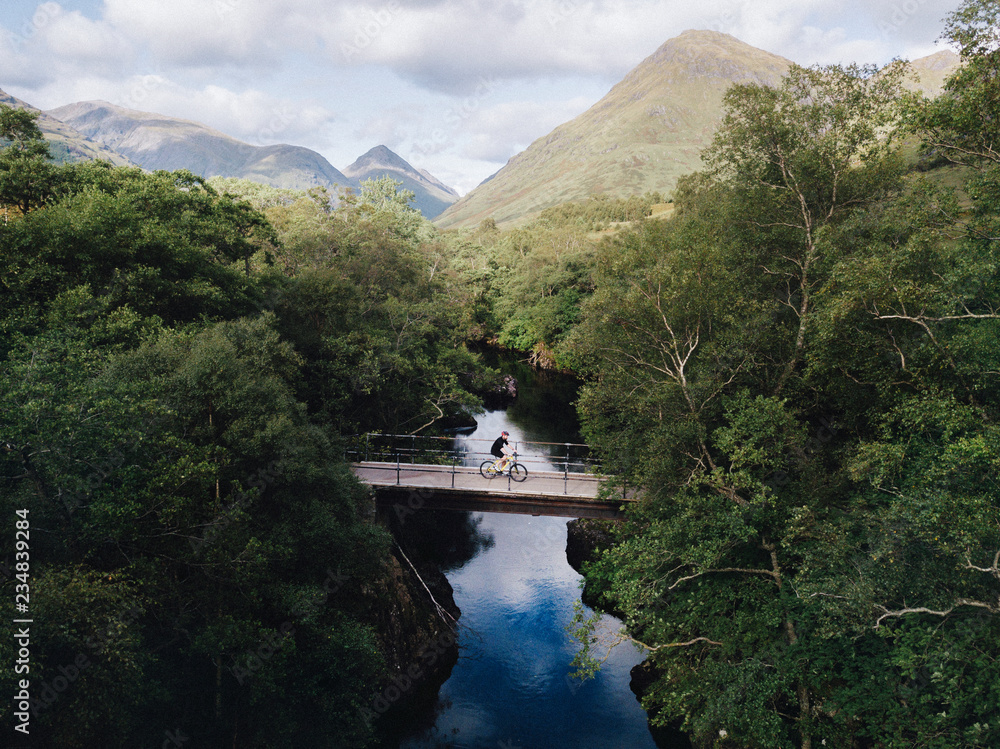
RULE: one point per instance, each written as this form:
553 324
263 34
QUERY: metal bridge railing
403 450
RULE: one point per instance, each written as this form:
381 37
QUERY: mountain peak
928 74
379 157
642 136
66 144
704 35
944 60
700 53
432 195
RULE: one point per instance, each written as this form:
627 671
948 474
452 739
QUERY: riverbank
419 631
586 538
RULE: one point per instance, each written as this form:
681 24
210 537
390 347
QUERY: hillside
431 195
644 134
65 142
930 73
156 141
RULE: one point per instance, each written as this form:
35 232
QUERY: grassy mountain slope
645 133
156 141
929 73
65 142
431 196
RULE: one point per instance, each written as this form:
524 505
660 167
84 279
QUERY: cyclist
501 450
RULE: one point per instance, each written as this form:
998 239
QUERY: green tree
385 206
802 157
383 348
746 376
202 553
183 478
25 171
160 244
959 125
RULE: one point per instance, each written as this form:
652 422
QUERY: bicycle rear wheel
487 470
518 472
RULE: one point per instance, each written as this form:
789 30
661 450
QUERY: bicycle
513 469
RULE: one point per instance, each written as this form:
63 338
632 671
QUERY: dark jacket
498 446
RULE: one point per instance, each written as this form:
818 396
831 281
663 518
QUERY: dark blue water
511 687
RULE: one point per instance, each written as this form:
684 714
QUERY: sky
454 87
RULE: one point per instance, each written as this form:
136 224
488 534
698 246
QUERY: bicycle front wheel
518 472
487 470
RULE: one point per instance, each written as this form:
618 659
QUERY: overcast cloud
453 87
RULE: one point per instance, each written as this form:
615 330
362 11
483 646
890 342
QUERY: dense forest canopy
179 366
801 367
797 359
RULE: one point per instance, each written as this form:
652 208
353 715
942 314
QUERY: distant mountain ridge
648 131
929 73
155 141
65 142
432 195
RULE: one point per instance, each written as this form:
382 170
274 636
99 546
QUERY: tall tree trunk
805 702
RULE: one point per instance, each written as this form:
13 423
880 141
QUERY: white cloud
829 31
458 85
252 115
392 127
447 46
496 133
29 27
199 33
16 68
451 46
59 44
77 40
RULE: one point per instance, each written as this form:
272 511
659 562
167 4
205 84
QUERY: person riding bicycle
501 450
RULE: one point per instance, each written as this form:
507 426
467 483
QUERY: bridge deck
463 488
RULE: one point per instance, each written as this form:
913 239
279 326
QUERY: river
511 687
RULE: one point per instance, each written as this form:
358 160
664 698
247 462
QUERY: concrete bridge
405 478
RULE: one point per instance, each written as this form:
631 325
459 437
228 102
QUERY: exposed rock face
415 616
643 676
459 422
409 624
419 642
585 538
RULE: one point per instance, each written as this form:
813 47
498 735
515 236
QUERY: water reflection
443 540
543 412
544 407
538 452
512 685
